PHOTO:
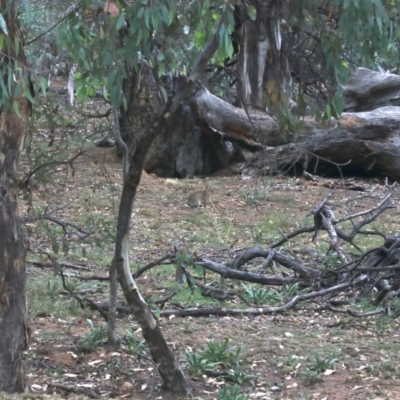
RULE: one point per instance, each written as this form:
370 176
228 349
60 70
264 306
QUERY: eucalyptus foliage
164 34
326 38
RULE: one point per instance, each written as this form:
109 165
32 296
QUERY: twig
367 314
74 389
63 264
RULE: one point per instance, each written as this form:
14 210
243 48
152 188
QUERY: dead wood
375 273
42 264
74 389
365 142
367 90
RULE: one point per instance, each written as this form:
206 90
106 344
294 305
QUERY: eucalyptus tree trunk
263 69
152 125
13 313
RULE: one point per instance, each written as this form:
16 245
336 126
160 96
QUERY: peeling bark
263 68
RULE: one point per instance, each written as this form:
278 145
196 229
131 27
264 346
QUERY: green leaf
28 94
252 12
171 16
43 85
120 21
16 45
337 103
115 96
3 25
140 13
327 114
15 107
147 18
82 53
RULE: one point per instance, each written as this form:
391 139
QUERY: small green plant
216 355
260 296
320 363
222 353
95 336
132 345
230 393
332 261
197 363
290 363
289 291
310 377
257 235
383 324
387 369
240 377
52 289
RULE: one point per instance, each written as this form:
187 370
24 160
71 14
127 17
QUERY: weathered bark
263 69
367 90
13 313
367 142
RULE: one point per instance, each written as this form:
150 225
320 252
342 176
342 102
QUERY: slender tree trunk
13 317
13 313
171 372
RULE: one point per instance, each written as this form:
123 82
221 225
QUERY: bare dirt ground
276 348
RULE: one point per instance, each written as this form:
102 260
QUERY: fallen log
366 143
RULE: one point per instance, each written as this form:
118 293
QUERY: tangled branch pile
340 277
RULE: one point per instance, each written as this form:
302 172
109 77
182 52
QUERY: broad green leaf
15 107
82 53
3 25
337 103
120 21
147 18
171 16
252 12
28 93
140 12
43 85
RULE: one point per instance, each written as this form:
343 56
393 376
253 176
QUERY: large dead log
366 142
367 90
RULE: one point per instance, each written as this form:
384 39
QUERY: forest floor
304 353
